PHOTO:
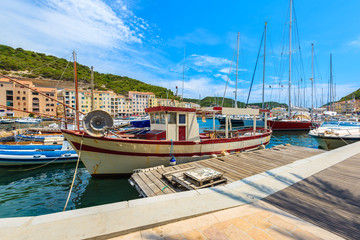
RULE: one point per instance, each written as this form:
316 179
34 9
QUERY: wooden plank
150 184
141 184
163 188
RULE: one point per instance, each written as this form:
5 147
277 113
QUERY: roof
169 109
145 93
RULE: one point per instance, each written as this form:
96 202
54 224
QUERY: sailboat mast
92 88
289 107
331 83
312 79
77 120
182 90
263 89
237 63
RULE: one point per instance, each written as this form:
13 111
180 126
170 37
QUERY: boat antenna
228 77
237 63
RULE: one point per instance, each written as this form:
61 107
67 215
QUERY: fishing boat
40 156
331 136
174 135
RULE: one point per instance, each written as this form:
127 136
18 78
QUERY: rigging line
76 168
228 77
257 60
50 62
68 62
41 93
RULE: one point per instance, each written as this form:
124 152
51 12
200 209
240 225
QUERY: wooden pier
229 168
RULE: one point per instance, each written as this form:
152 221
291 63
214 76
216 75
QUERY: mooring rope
77 164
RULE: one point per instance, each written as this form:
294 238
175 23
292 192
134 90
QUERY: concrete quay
243 209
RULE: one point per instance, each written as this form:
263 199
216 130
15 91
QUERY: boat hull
329 143
289 125
32 158
109 156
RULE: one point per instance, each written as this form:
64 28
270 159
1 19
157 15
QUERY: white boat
6 121
28 120
174 132
39 156
334 136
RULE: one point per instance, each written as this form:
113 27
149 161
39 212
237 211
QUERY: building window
23 98
17 98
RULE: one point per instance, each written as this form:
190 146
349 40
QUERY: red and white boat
174 132
289 125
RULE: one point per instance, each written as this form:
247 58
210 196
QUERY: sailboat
289 124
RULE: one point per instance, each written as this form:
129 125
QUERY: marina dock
314 197
158 180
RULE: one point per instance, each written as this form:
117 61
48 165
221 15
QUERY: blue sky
146 39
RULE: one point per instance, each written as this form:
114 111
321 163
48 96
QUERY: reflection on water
44 190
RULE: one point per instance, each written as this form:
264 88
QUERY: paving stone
258 234
235 233
174 237
193 235
214 234
242 224
280 234
281 223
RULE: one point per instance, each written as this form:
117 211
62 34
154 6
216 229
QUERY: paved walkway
259 220
221 210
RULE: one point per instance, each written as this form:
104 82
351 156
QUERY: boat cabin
173 123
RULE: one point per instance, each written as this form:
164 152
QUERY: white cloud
198 37
233 69
355 42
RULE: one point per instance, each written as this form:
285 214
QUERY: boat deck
155 181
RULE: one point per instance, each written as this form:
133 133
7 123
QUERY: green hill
38 65
350 96
228 102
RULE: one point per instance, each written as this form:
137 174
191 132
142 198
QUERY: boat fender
224 153
172 161
213 155
262 146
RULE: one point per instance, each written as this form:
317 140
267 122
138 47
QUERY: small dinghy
40 156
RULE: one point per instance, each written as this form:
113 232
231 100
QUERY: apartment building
22 98
102 100
141 100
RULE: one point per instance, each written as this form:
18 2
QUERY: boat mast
312 79
331 82
92 88
289 107
237 63
77 122
182 90
263 90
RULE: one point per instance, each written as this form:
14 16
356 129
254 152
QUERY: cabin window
182 119
172 118
162 118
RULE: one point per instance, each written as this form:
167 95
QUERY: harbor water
31 191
